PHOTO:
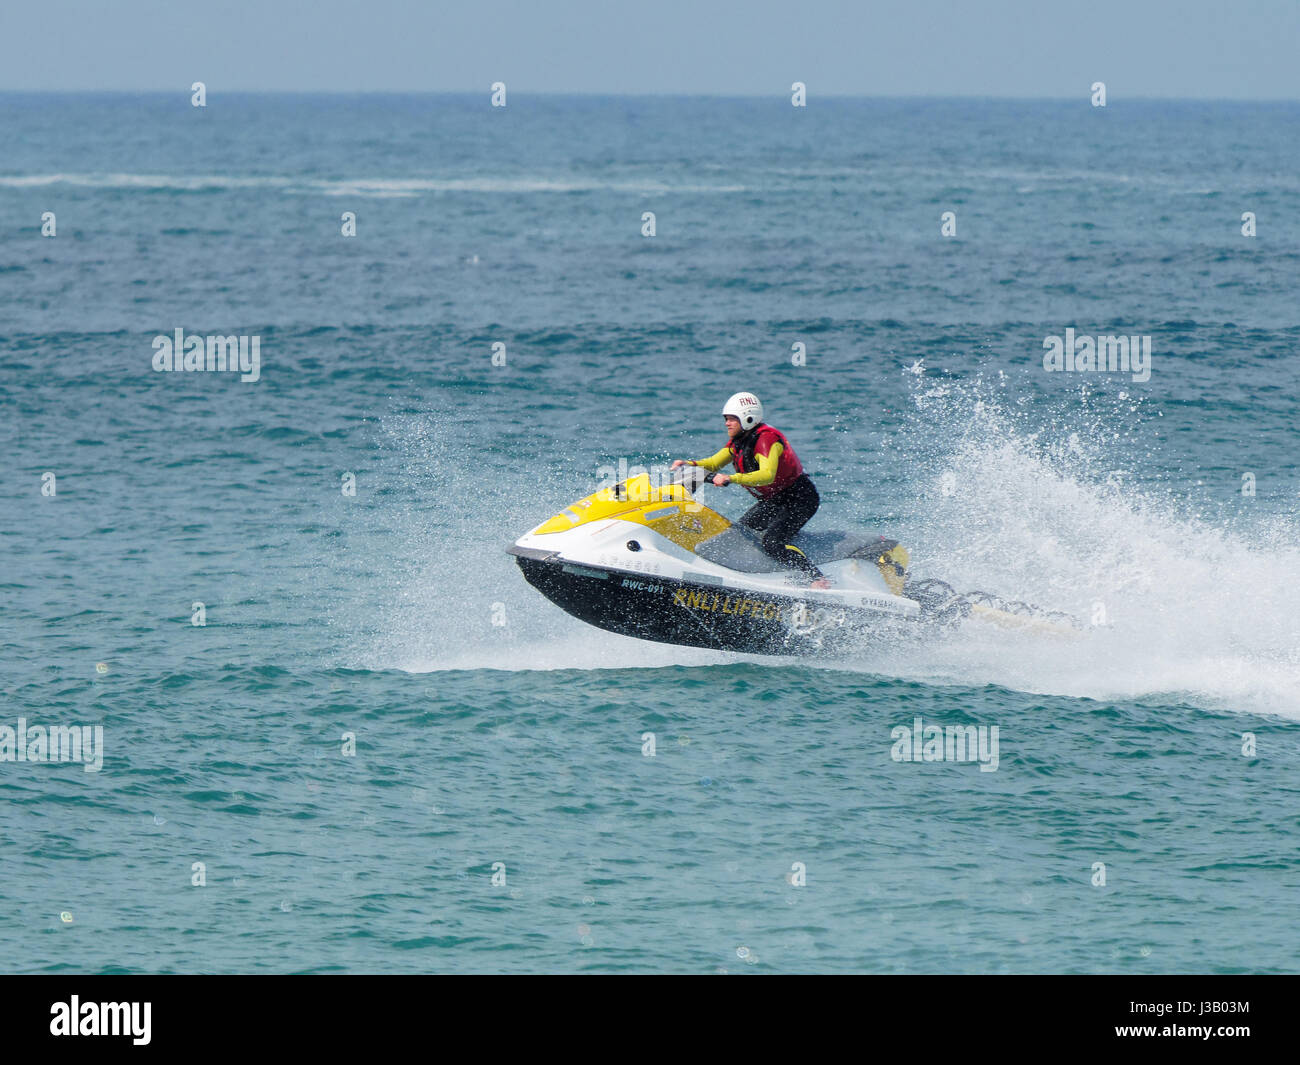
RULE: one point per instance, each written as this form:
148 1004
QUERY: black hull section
648 607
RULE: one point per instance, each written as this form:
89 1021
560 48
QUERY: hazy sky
1248 49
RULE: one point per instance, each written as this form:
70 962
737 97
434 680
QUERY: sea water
341 733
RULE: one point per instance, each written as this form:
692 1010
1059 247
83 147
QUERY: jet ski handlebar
692 477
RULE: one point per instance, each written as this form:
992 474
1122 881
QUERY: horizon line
1082 97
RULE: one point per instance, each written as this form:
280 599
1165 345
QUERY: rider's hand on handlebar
678 462
721 480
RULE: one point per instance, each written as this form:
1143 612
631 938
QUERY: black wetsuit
779 517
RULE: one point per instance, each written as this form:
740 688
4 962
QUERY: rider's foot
820 582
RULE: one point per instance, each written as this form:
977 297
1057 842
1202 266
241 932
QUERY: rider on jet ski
768 468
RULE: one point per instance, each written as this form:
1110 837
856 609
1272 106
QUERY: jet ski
650 561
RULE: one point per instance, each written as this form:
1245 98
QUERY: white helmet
746 407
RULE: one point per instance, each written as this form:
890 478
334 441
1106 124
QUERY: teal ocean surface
340 733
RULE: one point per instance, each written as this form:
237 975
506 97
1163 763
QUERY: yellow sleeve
766 472
714 462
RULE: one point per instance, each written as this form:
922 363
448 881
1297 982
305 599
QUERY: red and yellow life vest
759 441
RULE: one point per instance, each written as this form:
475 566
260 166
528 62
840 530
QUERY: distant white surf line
374 187
141 181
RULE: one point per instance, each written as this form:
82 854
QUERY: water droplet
158 819
285 905
742 952
65 917
101 667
